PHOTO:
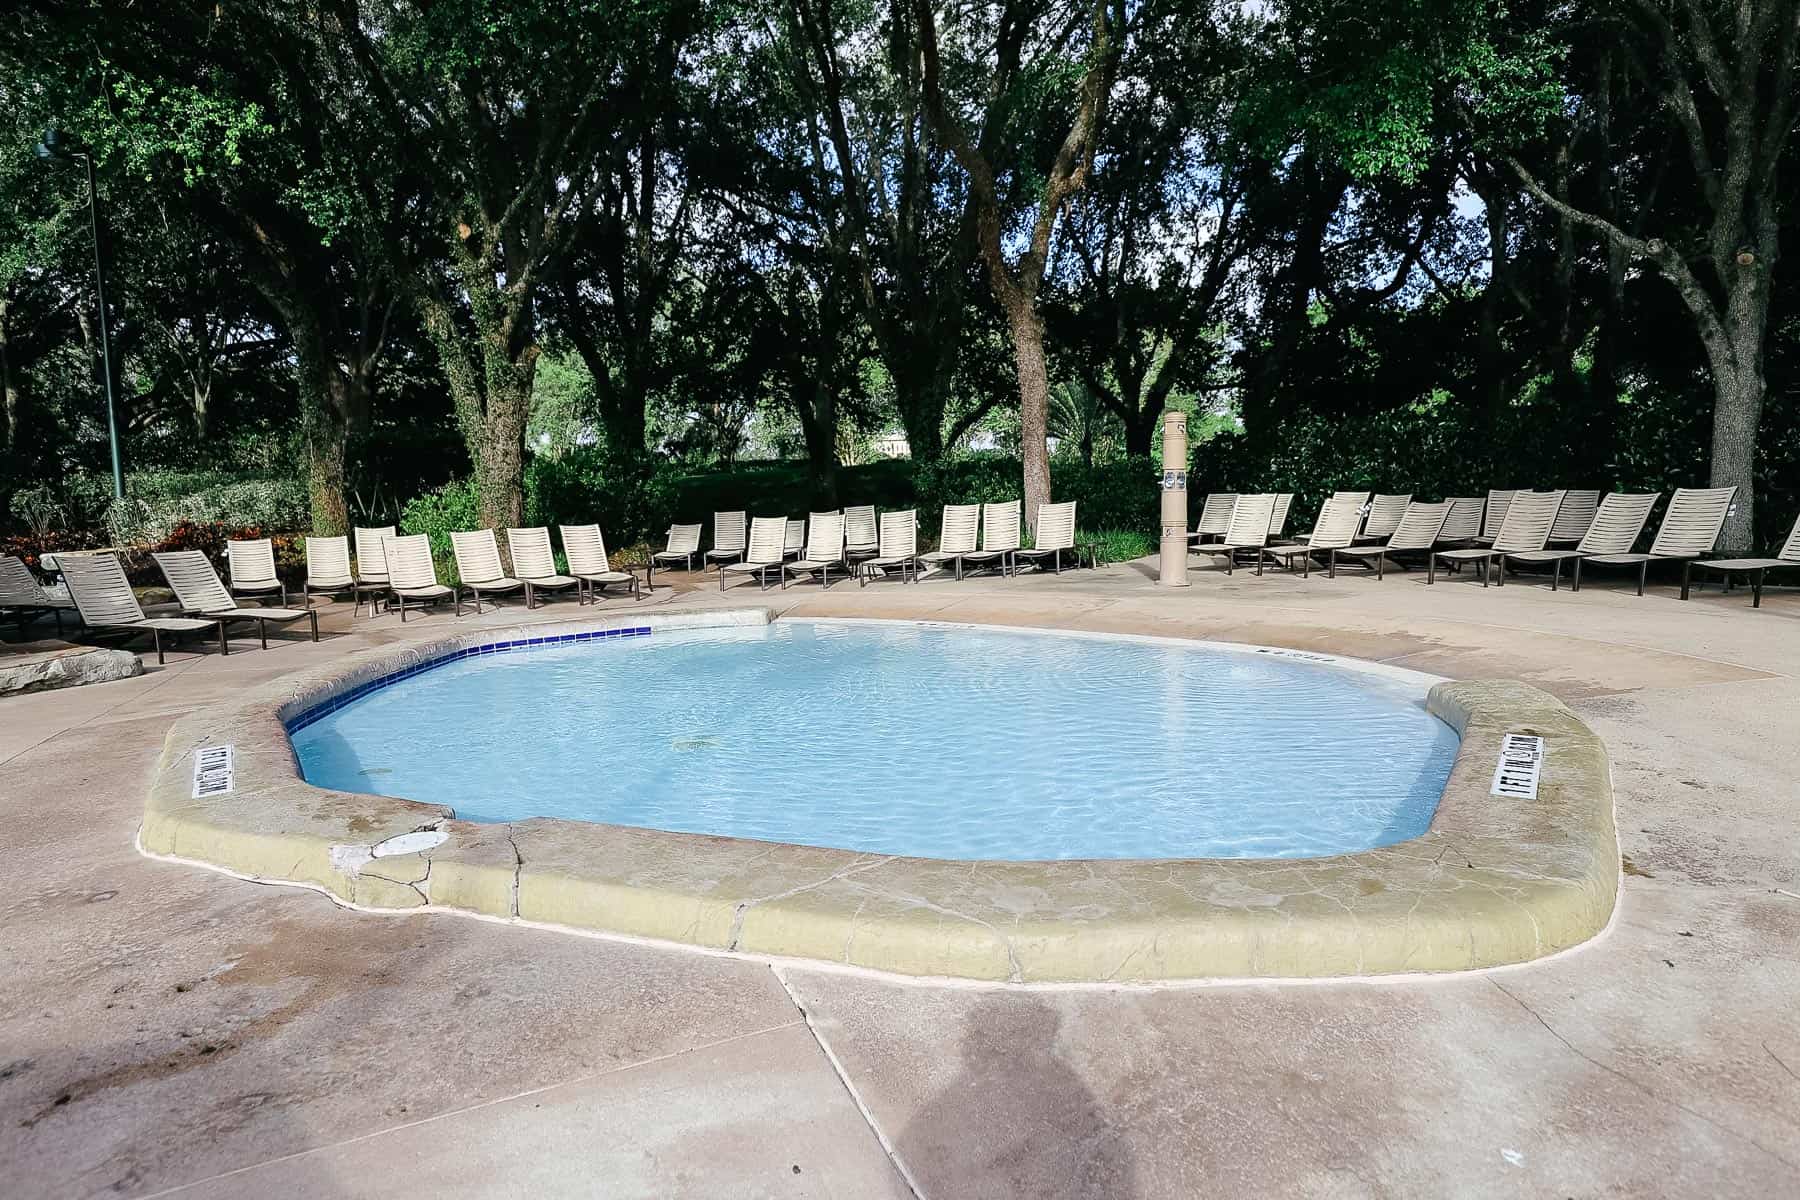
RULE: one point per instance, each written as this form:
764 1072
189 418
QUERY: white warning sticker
213 772
1521 760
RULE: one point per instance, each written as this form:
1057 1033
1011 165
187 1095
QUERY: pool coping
1491 882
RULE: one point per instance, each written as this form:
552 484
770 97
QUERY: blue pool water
932 741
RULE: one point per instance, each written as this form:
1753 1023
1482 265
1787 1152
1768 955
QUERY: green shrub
633 501
437 514
1120 545
156 503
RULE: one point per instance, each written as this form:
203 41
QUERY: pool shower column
1172 569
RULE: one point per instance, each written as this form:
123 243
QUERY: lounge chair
1689 531
1248 532
1339 519
1614 530
200 593
999 537
793 538
104 598
1579 508
824 550
683 547
1498 501
1419 529
1356 500
1529 516
1464 522
328 570
956 538
1385 514
412 573
588 561
766 552
22 595
479 569
728 539
534 564
1279 518
252 566
862 535
898 551
1215 517
371 563
1756 568
1054 538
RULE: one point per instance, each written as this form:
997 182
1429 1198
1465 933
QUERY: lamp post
58 146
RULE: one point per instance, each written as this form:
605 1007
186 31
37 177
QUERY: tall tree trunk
9 386
921 406
500 467
1034 404
323 420
1140 433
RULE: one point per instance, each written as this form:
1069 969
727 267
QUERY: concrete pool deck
163 1027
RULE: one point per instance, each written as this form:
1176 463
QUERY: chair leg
224 646
1556 574
1500 570
156 639
1756 581
315 625
1643 573
1576 586
1380 565
262 627
1687 574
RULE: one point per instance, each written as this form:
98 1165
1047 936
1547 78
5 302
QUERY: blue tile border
326 707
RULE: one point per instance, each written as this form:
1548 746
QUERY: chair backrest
768 540
585 549
327 558
1497 504
532 557
1691 526
728 531
252 562
1464 522
1384 516
196 585
1000 526
1278 518
860 531
477 555
793 538
825 537
1056 526
1579 507
1250 520
684 539
371 553
899 534
1528 521
1420 526
409 562
1215 514
19 588
961 521
99 588
1618 522
1338 521
1790 550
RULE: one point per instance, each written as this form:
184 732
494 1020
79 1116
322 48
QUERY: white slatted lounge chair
956 538
1756 568
1615 529
1464 522
371 562
1215 517
1498 501
1248 532
1279 518
683 547
1529 517
1356 500
898 551
479 569
412 573
1339 519
252 566
1385 513
862 533
104 598
1419 530
534 563
1055 537
1689 531
766 552
328 569
200 593
1579 508
824 549
793 540
588 561
728 538
23 596
999 537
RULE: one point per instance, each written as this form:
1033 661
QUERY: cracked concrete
164 1027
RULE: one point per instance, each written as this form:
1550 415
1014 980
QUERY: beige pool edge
1493 881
